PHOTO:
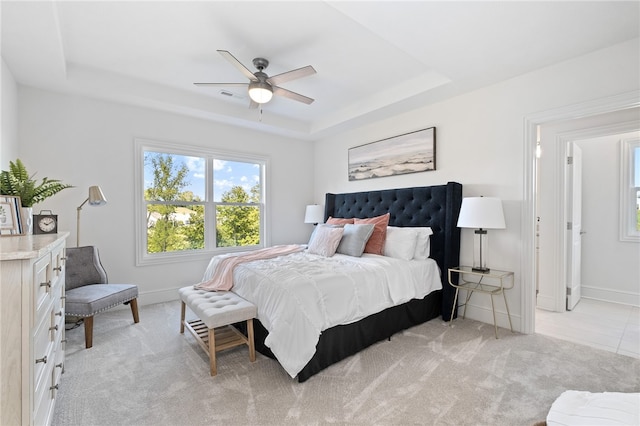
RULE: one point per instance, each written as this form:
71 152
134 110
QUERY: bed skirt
342 341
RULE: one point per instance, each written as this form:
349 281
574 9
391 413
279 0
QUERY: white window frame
142 257
628 192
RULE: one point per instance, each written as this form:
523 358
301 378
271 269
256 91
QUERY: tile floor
609 326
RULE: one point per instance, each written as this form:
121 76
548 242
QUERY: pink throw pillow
375 244
339 221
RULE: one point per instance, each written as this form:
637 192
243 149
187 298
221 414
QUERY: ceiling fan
261 86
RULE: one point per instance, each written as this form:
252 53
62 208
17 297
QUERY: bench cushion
90 299
217 308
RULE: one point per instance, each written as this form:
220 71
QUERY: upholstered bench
217 312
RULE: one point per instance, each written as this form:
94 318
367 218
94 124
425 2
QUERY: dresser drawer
57 268
42 389
42 348
57 319
44 399
42 284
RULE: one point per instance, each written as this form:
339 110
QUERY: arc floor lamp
95 198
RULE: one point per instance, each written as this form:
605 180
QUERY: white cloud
219 164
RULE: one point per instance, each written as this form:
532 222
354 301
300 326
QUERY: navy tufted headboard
435 206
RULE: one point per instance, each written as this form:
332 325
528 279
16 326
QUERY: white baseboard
153 297
609 295
545 302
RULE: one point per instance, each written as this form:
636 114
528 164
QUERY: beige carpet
149 374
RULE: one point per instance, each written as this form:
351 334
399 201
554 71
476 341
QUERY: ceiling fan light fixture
260 92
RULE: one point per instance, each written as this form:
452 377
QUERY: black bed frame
437 207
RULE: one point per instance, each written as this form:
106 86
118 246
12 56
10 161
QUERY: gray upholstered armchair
88 291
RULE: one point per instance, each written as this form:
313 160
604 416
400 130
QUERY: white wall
87 142
480 142
610 267
8 117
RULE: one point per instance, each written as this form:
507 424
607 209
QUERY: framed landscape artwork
10 220
409 153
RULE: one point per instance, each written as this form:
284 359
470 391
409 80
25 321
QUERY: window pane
636 166
173 227
237 226
172 177
229 175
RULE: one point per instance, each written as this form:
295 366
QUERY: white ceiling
372 58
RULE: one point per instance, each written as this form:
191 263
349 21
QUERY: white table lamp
314 214
482 213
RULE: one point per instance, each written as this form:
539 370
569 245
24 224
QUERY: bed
436 207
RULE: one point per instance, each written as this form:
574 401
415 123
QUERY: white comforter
301 294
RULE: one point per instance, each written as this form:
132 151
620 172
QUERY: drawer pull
58 314
54 387
42 360
59 269
63 258
55 327
47 284
61 365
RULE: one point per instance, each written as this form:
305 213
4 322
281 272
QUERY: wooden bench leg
213 369
252 348
88 331
134 310
183 309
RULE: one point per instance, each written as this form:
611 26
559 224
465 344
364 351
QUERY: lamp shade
96 197
314 214
260 92
481 212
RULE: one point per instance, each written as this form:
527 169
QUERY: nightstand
494 282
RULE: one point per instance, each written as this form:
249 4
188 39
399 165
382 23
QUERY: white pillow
400 242
423 246
324 240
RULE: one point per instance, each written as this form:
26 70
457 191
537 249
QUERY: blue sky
226 174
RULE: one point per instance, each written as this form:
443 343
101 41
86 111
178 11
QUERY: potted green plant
17 182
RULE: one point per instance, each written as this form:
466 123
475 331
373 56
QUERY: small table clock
45 223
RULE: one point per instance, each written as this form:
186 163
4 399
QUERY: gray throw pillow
354 239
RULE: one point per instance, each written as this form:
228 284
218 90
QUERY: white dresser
31 327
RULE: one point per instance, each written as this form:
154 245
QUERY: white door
574 226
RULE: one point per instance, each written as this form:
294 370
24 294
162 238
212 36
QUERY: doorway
618 113
560 199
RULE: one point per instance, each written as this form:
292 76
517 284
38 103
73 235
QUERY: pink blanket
222 278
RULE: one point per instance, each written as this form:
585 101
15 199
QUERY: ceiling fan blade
223 84
291 95
236 63
291 75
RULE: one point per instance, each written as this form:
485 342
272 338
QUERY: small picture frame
10 215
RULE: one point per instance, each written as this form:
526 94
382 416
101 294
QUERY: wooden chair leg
213 369
183 309
134 310
252 348
88 331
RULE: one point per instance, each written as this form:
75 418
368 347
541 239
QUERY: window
194 202
630 190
